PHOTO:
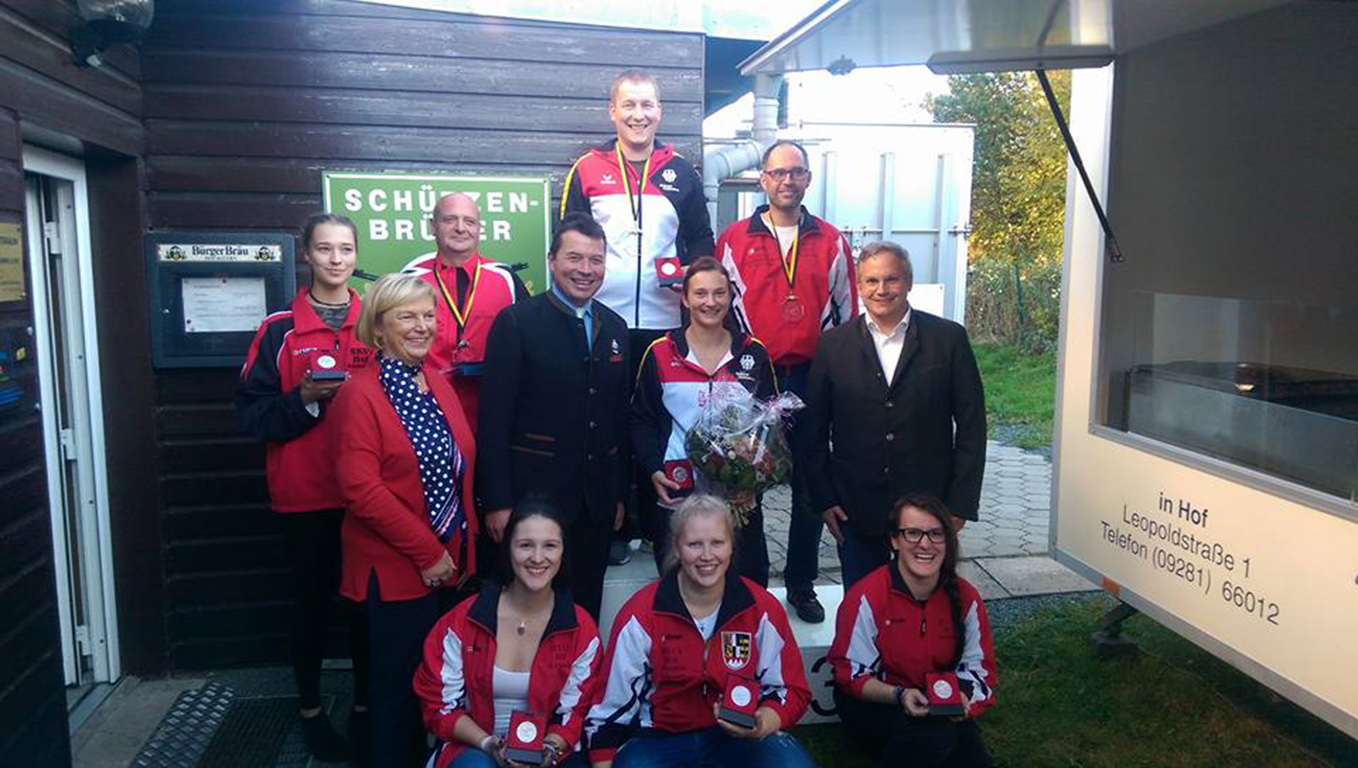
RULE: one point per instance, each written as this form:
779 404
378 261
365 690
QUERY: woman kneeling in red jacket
524 647
676 646
909 618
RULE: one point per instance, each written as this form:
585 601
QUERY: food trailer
1206 444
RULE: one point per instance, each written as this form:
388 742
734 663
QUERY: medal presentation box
524 742
944 694
740 701
208 292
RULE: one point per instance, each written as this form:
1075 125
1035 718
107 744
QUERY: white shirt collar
898 330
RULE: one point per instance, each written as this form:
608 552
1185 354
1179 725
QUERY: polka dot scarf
441 464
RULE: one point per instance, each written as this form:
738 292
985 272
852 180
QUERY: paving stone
984 583
1022 576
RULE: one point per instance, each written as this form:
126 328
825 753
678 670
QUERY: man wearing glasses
894 407
793 279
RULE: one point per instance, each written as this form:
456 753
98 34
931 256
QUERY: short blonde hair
695 506
389 292
636 77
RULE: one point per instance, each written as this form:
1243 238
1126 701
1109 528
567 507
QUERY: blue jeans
804 526
859 557
711 747
475 758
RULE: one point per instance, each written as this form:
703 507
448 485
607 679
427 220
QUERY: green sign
392 213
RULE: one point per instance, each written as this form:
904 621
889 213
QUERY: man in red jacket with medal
793 278
471 291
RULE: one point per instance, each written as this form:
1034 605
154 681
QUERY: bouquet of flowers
739 445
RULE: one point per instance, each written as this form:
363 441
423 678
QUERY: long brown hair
947 574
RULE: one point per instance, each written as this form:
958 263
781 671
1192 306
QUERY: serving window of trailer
1231 327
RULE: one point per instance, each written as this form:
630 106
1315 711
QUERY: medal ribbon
790 260
635 205
460 315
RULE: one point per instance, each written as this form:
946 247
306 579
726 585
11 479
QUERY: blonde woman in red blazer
406 463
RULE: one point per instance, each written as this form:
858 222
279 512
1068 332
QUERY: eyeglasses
783 174
915 535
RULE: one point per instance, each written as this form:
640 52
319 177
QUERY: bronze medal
793 309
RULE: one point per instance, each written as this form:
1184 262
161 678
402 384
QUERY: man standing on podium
471 291
793 278
649 200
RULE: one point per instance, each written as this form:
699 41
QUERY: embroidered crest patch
735 649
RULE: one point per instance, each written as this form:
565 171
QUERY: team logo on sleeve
735 649
747 361
669 175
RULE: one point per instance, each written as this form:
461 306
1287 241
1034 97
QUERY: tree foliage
1019 179
1018 200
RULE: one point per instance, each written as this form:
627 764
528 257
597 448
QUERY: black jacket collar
736 597
485 611
739 341
805 225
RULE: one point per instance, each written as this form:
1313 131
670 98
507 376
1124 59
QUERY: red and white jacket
672 391
675 228
883 632
493 287
300 444
823 284
661 674
454 679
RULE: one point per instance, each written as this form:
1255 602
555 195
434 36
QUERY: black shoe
322 741
620 553
806 604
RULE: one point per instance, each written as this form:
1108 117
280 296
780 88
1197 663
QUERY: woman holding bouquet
679 375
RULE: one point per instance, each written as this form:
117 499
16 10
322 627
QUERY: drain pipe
726 160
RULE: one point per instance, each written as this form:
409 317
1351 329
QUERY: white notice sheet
223 304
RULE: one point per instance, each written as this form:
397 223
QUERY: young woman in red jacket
911 617
523 647
677 642
406 462
283 405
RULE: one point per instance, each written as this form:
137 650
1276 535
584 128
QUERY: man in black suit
894 406
554 405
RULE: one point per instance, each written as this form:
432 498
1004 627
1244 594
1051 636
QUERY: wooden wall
43 94
245 103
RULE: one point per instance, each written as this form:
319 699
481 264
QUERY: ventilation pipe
726 160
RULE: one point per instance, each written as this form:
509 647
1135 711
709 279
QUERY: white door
57 225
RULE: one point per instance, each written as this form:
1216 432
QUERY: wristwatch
899 693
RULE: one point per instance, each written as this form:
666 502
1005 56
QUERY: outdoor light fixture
108 22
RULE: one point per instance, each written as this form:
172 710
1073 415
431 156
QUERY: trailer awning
954 36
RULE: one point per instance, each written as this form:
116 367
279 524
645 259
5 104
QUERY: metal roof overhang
957 36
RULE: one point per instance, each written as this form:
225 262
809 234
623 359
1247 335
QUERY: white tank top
511 695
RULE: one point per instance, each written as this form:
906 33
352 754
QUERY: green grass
1020 393
1173 706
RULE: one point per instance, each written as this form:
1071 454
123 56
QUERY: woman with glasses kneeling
524 647
910 629
405 465
680 643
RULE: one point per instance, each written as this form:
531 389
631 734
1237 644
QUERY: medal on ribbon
793 309
633 203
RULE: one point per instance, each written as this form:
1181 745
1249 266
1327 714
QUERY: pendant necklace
523 627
